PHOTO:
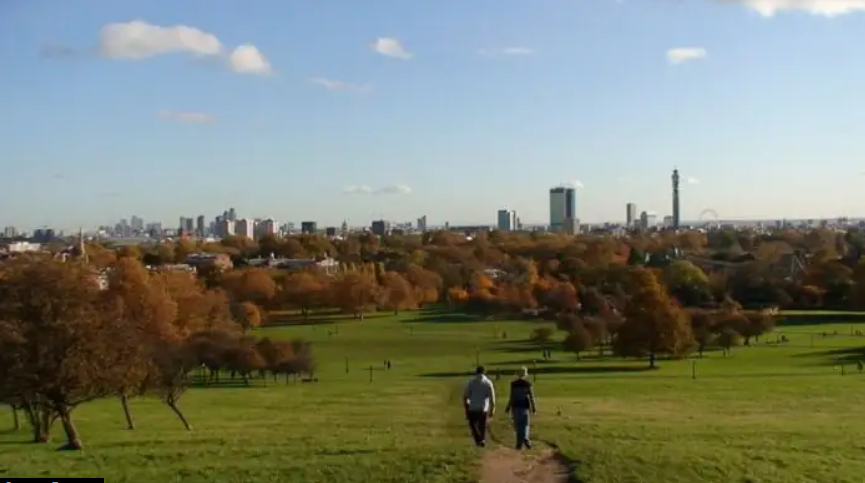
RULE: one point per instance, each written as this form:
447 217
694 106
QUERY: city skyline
302 112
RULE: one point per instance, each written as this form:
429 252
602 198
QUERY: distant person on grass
479 402
521 401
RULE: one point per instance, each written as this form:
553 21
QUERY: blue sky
163 109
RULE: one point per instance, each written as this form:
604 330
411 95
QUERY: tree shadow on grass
443 318
345 452
820 319
834 357
296 321
551 370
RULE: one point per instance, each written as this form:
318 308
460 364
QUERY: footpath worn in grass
773 412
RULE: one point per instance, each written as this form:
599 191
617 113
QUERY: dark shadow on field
820 319
445 316
299 321
549 370
525 345
345 452
834 357
442 318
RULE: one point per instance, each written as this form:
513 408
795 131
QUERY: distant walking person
520 403
479 401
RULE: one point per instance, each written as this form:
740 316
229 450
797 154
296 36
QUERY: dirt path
503 465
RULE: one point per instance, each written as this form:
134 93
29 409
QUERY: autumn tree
248 315
578 340
354 293
64 340
653 324
251 285
147 313
398 293
426 283
704 325
304 290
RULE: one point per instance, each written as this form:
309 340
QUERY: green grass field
769 413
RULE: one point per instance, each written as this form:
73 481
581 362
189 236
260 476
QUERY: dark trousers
478 425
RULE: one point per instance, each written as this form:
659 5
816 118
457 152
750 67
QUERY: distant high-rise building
506 220
154 229
668 221
330 231
245 228
380 227
308 227
647 220
676 218
631 217
187 226
10 232
563 207
200 226
224 228
269 227
136 224
232 214
421 224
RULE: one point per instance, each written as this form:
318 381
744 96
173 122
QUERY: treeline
66 339
646 321
699 269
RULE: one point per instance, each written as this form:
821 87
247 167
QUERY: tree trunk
124 401
73 439
16 422
43 420
173 406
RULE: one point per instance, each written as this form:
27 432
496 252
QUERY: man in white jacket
479 400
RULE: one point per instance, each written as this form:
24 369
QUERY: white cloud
507 51
338 85
680 55
139 40
357 189
574 183
247 59
828 8
692 180
396 189
391 47
186 117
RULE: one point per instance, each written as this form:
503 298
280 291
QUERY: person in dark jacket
521 404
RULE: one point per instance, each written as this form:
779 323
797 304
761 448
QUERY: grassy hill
772 412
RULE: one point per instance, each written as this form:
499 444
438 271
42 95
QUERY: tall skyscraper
563 209
224 227
676 218
507 220
631 217
136 224
200 228
421 224
244 228
269 227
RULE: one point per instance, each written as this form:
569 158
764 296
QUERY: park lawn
772 412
